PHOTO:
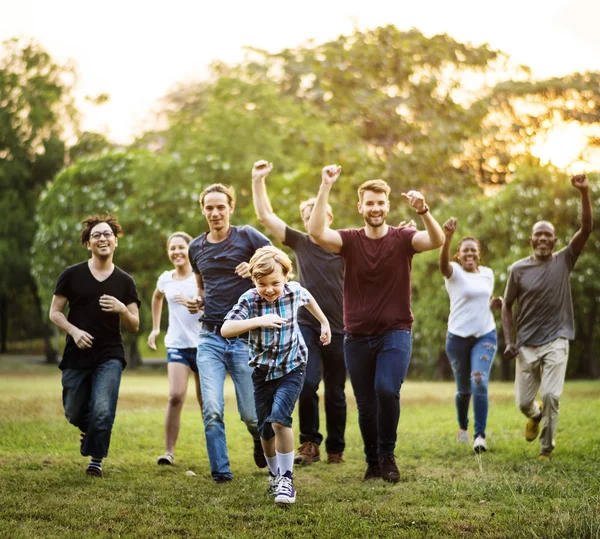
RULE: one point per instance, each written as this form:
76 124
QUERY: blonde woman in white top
471 341
182 336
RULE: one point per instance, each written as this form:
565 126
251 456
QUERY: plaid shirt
280 349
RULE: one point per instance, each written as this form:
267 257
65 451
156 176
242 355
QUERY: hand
510 351
82 338
496 303
261 170
449 227
415 199
152 339
408 224
243 270
325 334
330 174
194 304
271 321
580 182
180 299
110 304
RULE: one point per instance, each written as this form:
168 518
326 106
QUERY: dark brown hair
91 222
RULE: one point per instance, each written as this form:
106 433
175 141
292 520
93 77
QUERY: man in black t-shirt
322 273
101 298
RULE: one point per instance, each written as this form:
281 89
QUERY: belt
216 329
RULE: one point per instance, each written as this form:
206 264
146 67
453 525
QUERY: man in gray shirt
540 285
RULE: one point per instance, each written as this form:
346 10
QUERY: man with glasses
219 259
101 298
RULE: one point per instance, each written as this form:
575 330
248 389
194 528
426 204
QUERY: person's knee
550 400
176 399
309 389
279 428
479 382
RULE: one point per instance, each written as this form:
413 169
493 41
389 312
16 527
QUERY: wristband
424 211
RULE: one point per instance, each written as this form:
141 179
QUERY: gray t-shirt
322 273
217 262
543 295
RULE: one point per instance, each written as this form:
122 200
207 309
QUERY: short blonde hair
267 259
228 191
310 203
377 186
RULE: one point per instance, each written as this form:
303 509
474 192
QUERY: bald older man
540 285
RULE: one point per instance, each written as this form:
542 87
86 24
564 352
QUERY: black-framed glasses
106 234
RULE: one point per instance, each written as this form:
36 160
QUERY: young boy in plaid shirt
278 354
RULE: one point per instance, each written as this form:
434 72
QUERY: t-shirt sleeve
347 235
131 293
63 285
257 239
407 235
162 282
454 277
304 296
292 237
512 289
241 310
193 250
570 256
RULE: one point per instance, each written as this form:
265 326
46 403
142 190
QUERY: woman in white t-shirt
471 340
182 335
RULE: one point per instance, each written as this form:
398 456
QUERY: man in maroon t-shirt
377 315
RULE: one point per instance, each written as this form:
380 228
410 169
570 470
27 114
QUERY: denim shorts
275 400
187 356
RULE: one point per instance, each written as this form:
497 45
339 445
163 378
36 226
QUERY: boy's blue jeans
275 399
377 366
216 357
90 402
471 359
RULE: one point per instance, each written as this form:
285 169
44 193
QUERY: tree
36 108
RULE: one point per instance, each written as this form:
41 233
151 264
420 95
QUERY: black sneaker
373 471
389 470
259 454
220 479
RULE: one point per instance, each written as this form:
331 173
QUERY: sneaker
335 458
373 471
463 436
273 484
166 459
93 470
532 427
389 470
307 453
286 493
479 445
259 454
220 479
545 458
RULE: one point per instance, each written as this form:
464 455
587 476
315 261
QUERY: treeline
418 112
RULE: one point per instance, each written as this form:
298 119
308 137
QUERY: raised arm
433 236
449 228
157 303
581 183
317 224
262 204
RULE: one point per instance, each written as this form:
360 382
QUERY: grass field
446 490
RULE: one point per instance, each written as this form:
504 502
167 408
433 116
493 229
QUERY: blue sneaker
286 493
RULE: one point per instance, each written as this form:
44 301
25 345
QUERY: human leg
334 380
212 370
554 368
527 383
178 374
482 359
76 394
458 350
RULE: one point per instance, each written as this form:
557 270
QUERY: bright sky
137 50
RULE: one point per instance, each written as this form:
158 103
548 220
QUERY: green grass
446 490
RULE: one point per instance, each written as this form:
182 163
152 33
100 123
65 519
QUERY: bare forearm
434 230
508 324
157 303
586 211
262 204
318 218
317 312
129 321
61 322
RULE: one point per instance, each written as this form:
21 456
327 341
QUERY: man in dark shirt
377 315
540 285
101 298
322 273
219 259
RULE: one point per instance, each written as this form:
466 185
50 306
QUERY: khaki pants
542 368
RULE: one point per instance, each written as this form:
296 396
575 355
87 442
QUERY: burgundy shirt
377 281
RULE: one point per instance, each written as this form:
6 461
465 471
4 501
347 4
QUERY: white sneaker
273 484
479 445
463 436
286 493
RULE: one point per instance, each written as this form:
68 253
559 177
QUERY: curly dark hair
92 221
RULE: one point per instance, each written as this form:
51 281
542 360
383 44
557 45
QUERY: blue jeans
90 402
275 399
377 366
331 358
471 359
217 356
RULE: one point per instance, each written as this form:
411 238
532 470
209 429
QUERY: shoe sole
287 501
304 462
94 473
479 449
